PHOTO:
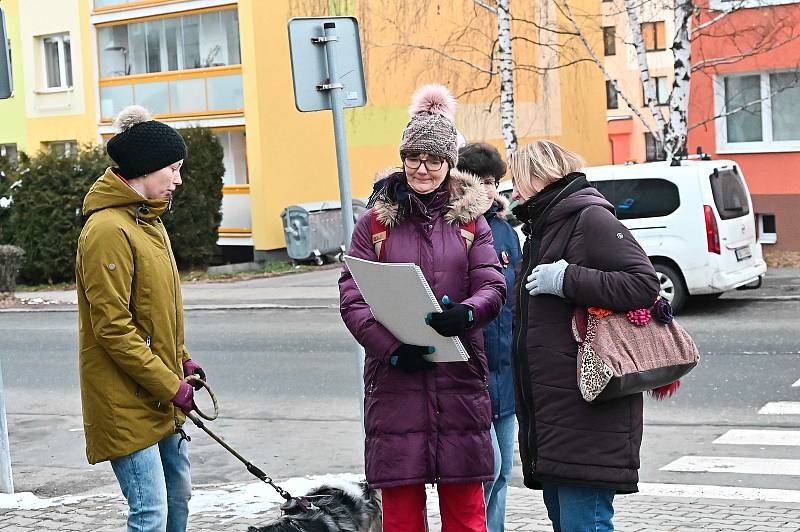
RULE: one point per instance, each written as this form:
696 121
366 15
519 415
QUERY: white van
695 222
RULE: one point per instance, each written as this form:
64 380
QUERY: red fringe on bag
662 392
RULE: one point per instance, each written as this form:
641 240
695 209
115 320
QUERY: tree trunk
675 135
10 261
631 7
506 69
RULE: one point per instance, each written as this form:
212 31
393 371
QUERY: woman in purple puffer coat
428 423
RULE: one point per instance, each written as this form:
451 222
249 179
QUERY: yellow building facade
225 65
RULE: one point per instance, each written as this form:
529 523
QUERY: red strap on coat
380 232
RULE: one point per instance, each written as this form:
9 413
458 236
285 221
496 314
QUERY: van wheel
672 288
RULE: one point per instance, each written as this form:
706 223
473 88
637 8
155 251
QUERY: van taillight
712 231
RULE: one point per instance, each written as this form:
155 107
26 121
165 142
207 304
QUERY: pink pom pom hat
431 128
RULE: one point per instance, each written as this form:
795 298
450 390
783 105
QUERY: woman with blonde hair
577 254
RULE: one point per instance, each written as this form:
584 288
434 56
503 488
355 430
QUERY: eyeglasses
489 182
432 162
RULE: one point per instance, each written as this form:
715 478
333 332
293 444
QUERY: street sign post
6 81
328 73
6 480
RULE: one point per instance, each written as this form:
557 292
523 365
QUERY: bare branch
644 69
567 12
542 27
485 6
745 106
436 51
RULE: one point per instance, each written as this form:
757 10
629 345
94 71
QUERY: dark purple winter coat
563 439
432 425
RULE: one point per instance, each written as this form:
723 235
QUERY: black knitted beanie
143 145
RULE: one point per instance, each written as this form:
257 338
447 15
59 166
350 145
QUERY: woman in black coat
577 255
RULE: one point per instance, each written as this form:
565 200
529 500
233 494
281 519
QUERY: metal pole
337 109
6 481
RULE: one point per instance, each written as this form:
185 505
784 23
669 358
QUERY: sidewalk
106 513
319 289
310 289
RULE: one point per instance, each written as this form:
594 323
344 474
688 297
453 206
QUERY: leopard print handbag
621 354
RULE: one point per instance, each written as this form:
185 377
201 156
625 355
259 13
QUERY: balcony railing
196 92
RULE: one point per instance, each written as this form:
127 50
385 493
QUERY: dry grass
782 259
8 300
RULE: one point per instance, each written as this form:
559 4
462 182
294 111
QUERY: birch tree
689 24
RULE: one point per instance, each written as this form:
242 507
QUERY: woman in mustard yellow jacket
132 356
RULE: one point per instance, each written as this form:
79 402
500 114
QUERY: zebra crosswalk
791 408
760 437
757 457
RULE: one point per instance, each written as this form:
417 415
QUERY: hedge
45 218
193 223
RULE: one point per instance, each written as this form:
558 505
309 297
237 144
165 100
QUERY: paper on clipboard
400 298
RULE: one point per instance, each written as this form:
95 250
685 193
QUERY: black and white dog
334 507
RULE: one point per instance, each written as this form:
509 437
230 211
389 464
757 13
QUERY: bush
45 218
10 261
6 195
193 224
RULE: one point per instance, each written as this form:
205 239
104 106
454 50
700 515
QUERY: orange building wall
771 177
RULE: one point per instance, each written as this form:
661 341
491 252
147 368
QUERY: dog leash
292 504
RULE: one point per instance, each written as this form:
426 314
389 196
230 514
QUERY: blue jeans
157 485
579 509
503 436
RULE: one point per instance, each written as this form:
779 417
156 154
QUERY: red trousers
460 505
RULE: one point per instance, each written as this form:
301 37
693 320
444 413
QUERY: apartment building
629 140
225 65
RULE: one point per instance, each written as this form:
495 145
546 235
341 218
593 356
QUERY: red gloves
190 367
184 399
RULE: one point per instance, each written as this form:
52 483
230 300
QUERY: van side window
640 198
730 196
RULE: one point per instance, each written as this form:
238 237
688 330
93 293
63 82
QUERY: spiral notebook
400 298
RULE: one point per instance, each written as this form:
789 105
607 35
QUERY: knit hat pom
433 99
130 116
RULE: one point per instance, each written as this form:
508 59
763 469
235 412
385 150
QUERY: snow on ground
229 500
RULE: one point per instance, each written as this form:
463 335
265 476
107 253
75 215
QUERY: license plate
743 253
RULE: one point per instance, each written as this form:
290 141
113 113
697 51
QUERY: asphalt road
288 387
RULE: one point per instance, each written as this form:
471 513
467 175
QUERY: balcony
198 92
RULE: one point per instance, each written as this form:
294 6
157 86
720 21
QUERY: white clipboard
400 298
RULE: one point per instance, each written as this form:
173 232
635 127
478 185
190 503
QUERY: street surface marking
760 437
697 491
734 464
796 384
791 408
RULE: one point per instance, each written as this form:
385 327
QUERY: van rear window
730 195
640 198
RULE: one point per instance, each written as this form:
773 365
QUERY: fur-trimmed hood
502 211
466 202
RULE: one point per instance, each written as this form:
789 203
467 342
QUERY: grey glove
547 279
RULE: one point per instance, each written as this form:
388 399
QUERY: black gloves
453 321
409 358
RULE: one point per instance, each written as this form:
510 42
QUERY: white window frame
4 151
734 5
69 146
766 145
765 238
62 62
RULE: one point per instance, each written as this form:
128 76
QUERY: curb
186 308
762 298
272 306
